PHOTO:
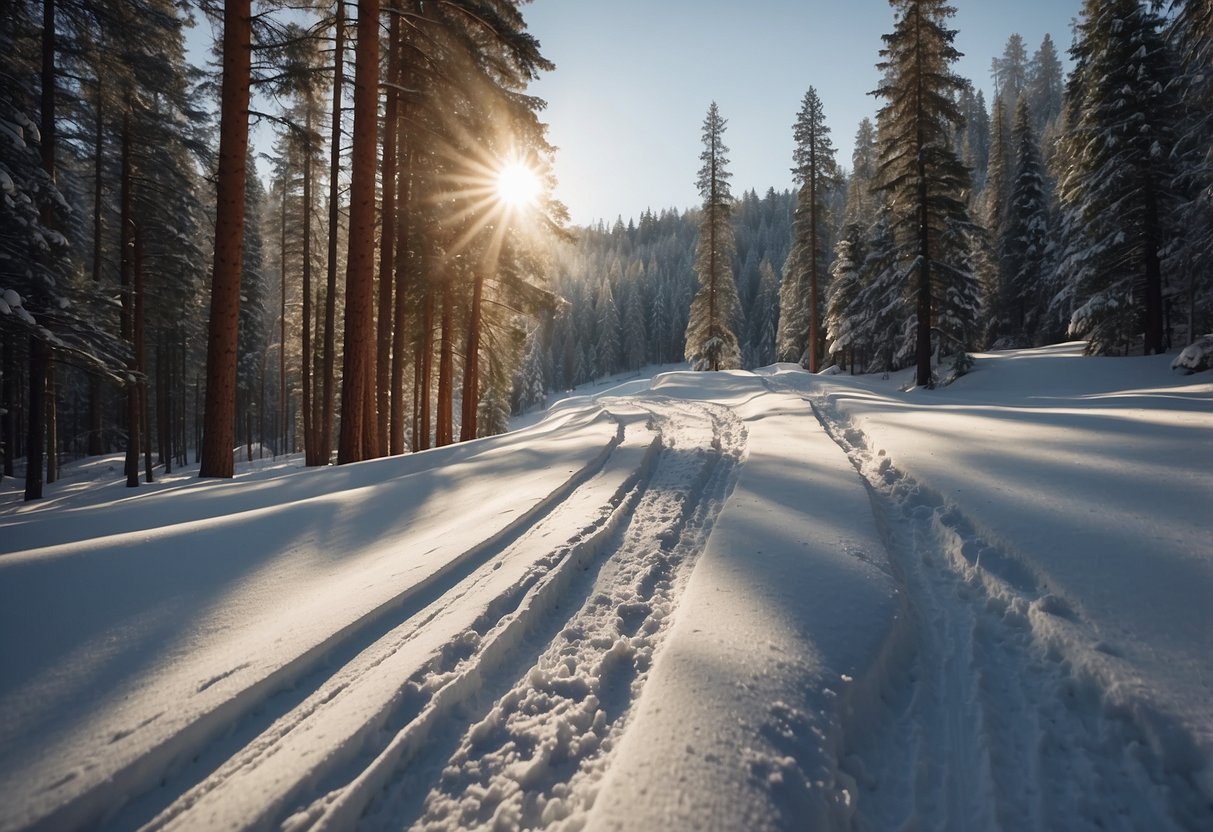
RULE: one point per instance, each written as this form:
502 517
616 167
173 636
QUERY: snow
686 600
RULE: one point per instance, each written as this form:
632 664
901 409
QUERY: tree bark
425 367
401 307
383 362
39 352
220 413
471 367
310 440
127 268
143 422
94 383
444 430
330 299
360 256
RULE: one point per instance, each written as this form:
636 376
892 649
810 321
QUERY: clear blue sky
634 78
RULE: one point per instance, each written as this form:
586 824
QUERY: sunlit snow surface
711 601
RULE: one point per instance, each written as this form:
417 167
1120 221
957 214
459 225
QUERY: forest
369 288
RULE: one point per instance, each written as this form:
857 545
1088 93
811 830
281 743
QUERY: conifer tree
220 413
764 319
1046 83
1190 256
1010 74
863 203
1118 194
816 173
1020 303
711 343
920 172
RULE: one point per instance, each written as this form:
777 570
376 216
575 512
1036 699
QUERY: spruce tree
1046 83
220 414
1190 256
816 173
920 171
1118 194
711 343
1020 304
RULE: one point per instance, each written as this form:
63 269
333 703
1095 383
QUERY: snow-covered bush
1195 357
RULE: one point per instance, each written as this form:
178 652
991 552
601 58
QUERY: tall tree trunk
471 366
220 411
358 362
814 256
401 305
94 383
922 346
8 395
127 268
141 358
310 440
383 362
280 422
425 366
39 352
52 424
444 429
330 299
1154 311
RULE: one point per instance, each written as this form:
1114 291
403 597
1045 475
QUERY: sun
518 185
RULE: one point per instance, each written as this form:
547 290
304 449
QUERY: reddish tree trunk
425 368
330 298
471 367
401 308
220 414
444 430
383 361
305 369
141 422
127 268
360 257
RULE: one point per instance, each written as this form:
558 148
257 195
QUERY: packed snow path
716 601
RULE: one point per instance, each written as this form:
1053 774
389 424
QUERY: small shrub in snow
1195 357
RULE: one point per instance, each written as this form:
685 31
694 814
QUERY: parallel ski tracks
585 583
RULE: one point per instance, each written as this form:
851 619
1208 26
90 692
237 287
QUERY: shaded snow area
729 601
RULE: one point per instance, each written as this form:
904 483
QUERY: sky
634 79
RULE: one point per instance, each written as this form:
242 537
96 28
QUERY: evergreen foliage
711 343
1118 194
922 176
816 173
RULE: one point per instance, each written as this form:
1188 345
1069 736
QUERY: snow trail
532 751
146 742
1009 704
534 648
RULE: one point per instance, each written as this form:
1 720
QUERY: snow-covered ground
721 601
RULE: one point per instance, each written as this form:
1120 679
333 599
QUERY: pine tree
862 201
1010 74
610 352
920 172
1118 194
220 413
711 343
1190 256
1046 83
816 173
1020 304
764 319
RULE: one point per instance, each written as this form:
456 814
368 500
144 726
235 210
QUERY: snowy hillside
721 601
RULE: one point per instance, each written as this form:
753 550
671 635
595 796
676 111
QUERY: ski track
498 693
138 788
999 703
